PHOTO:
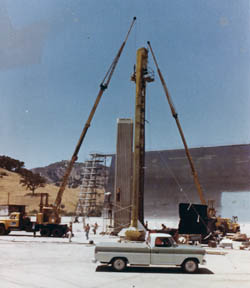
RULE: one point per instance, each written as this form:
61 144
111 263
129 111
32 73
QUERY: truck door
13 221
163 252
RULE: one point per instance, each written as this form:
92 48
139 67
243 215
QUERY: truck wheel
45 232
57 232
119 264
190 266
7 232
28 227
2 230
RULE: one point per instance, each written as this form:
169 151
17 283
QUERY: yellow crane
103 86
48 219
223 224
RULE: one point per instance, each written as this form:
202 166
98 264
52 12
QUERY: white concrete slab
28 262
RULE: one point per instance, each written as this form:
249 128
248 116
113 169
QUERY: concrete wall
123 173
168 179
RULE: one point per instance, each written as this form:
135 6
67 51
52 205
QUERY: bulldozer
227 225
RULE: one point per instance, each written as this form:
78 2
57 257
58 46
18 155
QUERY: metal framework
93 185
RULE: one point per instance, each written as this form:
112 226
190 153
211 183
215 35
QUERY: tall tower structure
123 174
141 77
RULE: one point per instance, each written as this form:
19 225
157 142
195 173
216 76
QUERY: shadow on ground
159 270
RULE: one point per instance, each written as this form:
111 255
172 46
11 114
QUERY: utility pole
140 77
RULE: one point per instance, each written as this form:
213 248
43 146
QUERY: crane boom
103 86
175 115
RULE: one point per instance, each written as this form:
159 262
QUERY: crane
223 224
103 86
175 115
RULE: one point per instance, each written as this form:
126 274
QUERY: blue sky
55 53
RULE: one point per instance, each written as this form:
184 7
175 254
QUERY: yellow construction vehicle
15 222
47 221
227 225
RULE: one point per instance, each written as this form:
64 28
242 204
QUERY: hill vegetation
11 188
24 187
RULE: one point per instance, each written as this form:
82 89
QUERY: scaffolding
93 186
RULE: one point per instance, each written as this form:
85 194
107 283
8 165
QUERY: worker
86 229
163 227
95 227
158 242
70 231
34 229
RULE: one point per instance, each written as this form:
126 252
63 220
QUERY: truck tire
57 232
119 264
190 266
45 232
7 232
28 227
2 230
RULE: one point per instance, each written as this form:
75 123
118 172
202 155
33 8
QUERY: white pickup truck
159 249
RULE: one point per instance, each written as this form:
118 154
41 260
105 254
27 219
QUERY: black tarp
193 219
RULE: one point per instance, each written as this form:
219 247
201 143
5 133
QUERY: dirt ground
28 262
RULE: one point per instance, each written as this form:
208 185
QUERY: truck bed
128 247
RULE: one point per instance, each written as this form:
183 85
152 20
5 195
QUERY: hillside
54 173
18 193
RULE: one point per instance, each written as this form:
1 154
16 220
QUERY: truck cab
16 221
12 222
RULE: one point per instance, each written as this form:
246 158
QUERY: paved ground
28 262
